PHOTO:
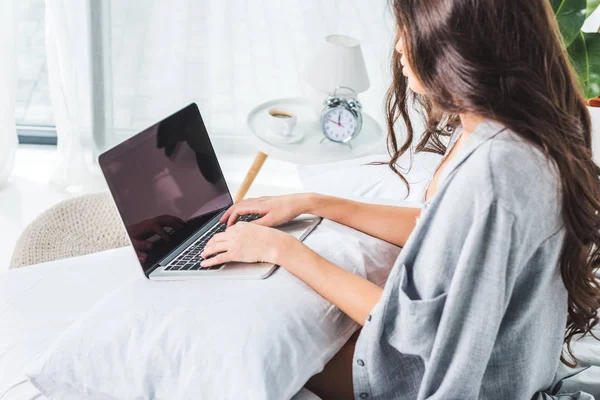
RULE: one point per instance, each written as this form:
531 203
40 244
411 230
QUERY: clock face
339 124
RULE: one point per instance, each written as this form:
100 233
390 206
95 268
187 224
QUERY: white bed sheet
39 302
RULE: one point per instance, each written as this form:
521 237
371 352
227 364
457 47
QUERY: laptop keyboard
190 259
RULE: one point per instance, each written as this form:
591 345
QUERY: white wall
593 22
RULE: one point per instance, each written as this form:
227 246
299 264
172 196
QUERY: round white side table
311 149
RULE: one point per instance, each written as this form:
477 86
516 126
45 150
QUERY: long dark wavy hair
505 61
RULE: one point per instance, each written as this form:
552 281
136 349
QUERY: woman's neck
469 122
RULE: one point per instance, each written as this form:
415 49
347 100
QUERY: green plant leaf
591 7
585 55
571 16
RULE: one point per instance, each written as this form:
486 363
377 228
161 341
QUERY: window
150 58
33 108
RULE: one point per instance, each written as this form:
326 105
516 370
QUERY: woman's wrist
310 203
287 246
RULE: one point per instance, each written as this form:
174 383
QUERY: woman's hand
275 210
247 242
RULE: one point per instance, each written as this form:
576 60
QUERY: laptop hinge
175 252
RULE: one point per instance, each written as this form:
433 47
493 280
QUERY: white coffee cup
281 122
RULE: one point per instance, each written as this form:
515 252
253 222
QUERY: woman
502 256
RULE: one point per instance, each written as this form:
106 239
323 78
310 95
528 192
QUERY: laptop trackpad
301 226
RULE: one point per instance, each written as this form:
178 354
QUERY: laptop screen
166 183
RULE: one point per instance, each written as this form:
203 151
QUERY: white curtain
226 55
148 51
231 55
8 79
67 51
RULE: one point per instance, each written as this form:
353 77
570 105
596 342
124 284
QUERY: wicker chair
74 227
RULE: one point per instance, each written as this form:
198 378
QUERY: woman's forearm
352 294
390 223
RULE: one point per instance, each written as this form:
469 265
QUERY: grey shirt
475 306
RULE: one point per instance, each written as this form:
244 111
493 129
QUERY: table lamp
338 61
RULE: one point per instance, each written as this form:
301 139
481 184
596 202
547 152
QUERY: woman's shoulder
516 175
521 174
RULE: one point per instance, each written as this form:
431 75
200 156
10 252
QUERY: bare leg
335 381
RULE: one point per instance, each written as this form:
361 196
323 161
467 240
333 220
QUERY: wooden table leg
259 160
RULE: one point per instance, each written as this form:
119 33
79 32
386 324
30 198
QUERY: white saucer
275 138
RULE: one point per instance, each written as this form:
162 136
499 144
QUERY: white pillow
210 339
357 179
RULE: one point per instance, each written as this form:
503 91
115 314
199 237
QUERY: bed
41 304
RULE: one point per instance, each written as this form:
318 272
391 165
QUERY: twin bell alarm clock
341 118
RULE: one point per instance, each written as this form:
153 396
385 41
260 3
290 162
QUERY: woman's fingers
243 207
216 260
217 237
214 248
233 217
225 216
236 207
216 240
265 220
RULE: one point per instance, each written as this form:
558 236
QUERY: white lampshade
338 62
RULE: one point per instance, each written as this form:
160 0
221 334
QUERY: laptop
170 192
